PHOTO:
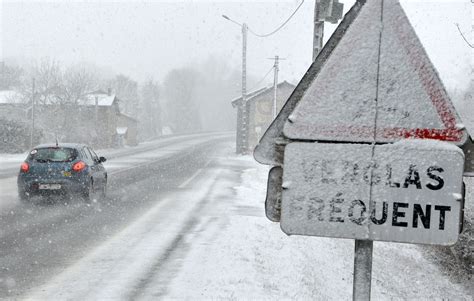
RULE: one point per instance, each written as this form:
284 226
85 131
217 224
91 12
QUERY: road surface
40 240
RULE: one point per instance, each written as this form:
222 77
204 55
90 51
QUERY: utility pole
33 101
324 11
275 85
244 124
318 32
2 65
96 112
242 113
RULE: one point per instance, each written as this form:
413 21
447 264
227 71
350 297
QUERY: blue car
67 169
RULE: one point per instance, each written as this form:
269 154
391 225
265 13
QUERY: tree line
189 98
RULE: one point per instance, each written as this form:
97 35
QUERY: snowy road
40 240
191 226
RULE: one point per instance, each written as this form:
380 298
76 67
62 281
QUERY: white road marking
185 183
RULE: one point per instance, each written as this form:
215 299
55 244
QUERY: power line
462 35
260 81
279 27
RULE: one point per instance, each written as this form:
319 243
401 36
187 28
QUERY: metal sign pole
275 87
362 269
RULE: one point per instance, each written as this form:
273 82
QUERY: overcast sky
148 38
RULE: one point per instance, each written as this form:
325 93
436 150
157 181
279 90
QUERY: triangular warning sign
378 84
271 146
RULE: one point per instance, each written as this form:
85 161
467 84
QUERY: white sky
148 38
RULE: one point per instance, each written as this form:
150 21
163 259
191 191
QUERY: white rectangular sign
409 192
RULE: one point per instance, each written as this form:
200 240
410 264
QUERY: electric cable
462 35
279 27
260 81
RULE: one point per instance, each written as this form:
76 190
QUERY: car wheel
23 196
103 193
89 193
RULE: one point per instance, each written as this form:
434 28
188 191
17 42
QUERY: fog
124 176
146 40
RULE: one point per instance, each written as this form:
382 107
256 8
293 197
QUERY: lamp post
242 122
32 130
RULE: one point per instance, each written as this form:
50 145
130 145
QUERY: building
259 113
113 127
13 106
127 130
94 119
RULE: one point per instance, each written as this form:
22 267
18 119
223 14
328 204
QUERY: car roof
66 145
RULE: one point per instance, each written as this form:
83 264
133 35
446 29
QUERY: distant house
127 128
96 117
259 110
13 106
109 122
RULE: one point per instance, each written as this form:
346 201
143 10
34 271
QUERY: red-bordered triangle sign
377 84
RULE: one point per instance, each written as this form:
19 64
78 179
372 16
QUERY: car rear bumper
51 187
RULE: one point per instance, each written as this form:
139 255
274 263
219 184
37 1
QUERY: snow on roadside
11 160
12 157
8 190
8 193
245 256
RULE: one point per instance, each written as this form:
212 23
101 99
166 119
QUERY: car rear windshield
53 154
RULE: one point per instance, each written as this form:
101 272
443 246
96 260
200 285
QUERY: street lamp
241 146
32 132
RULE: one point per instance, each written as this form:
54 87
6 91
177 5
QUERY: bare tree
183 109
57 94
48 80
150 110
10 76
77 82
218 84
126 90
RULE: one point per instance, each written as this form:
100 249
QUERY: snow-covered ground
211 240
250 258
11 160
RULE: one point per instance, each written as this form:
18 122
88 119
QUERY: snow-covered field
250 258
211 240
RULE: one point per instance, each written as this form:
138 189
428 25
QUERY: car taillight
78 166
25 167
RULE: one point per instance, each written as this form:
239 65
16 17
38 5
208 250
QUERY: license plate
50 186
67 173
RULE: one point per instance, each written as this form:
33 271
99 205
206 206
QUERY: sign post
368 144
362 269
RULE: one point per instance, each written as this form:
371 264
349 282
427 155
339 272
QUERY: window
88 155
94 155
53 154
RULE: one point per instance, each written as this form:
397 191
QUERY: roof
254 94
11 97
121 130
103 99
249 95
128 117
